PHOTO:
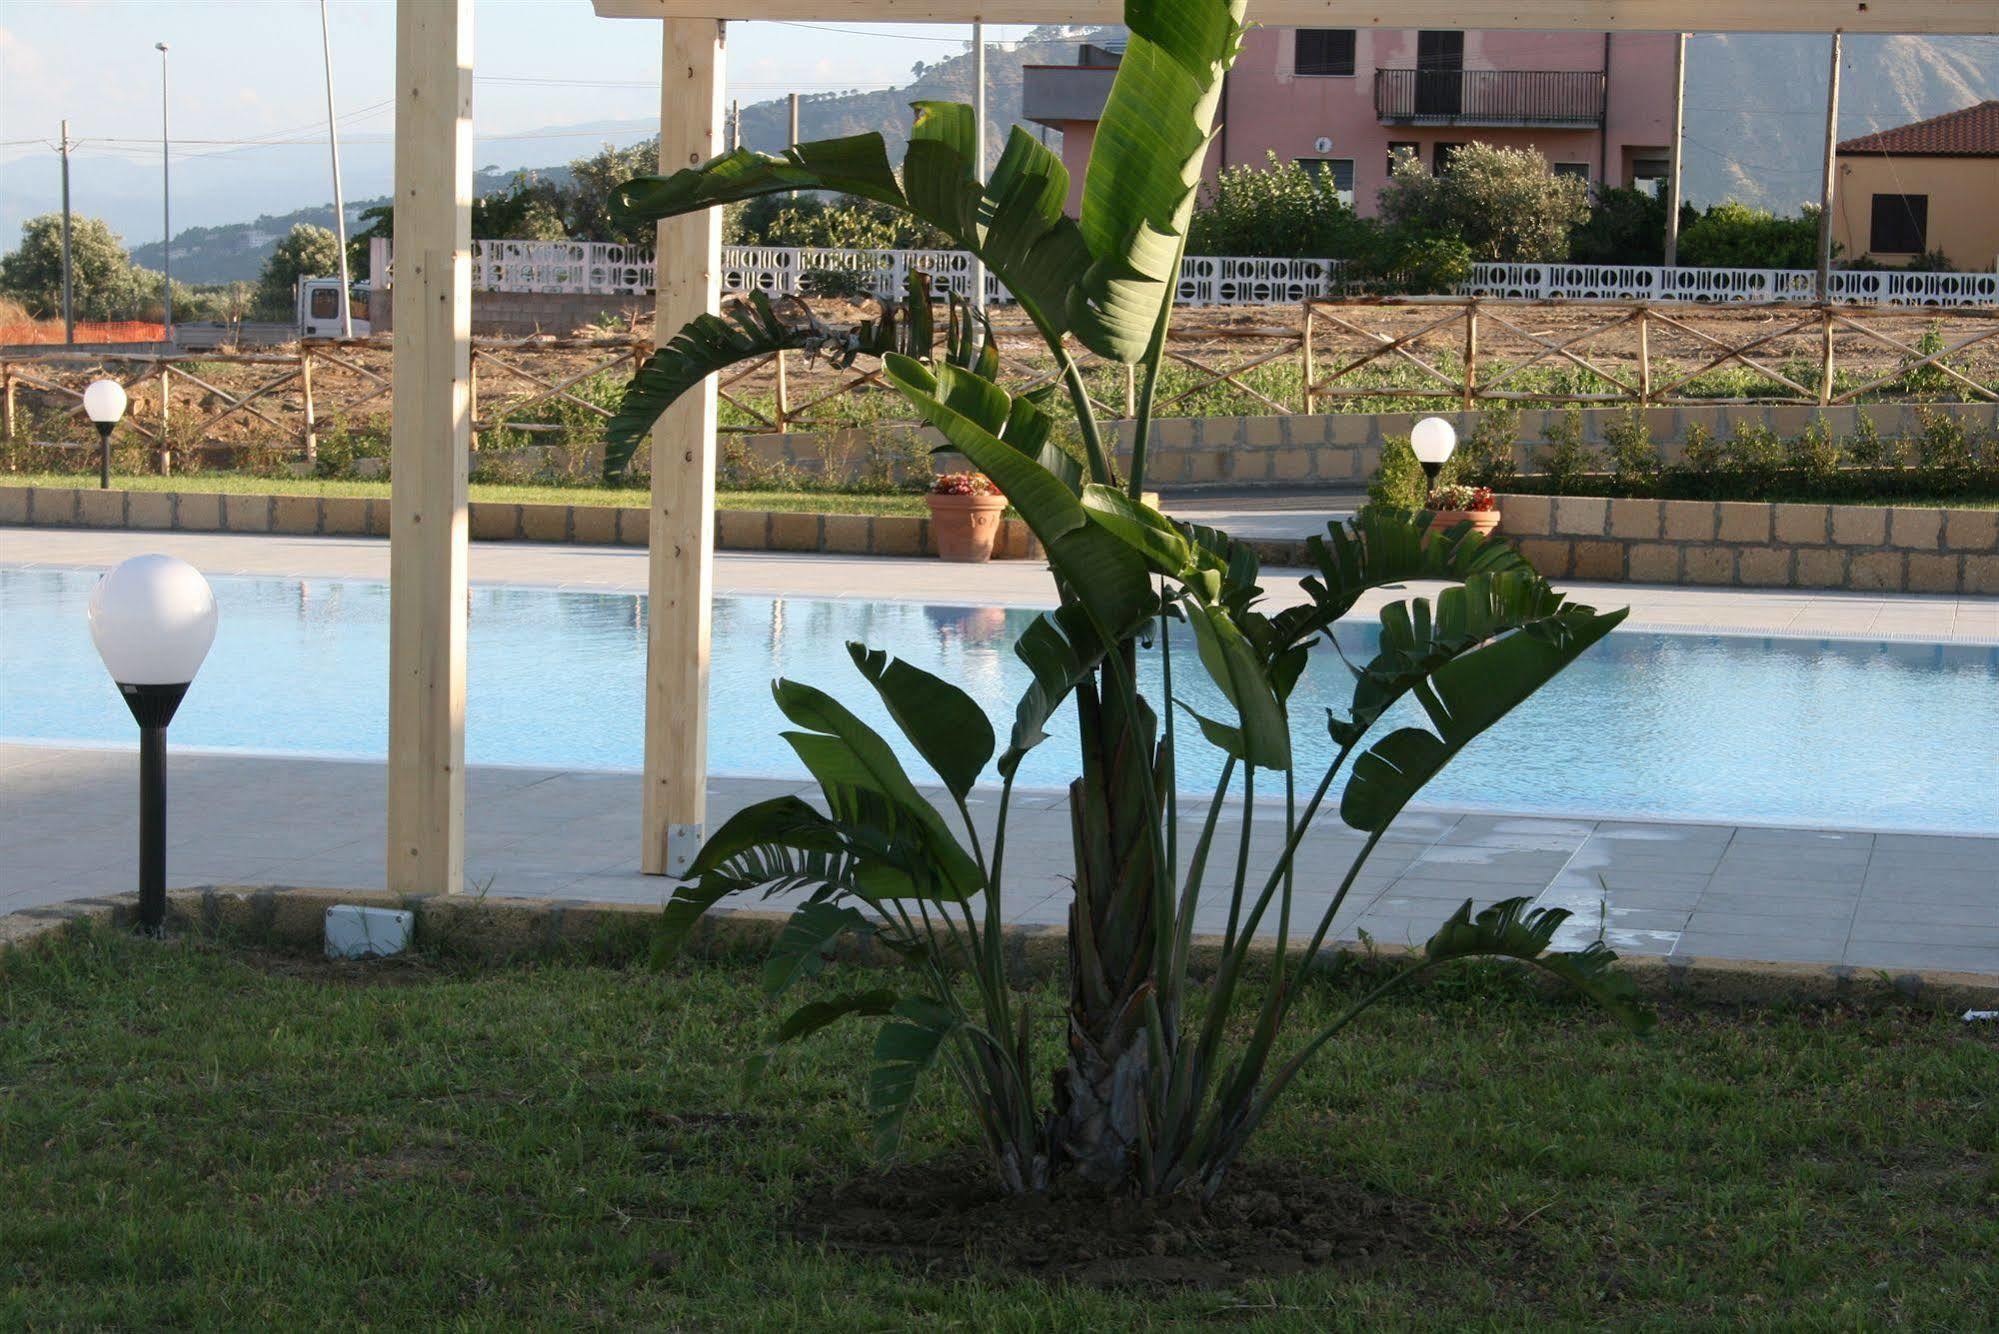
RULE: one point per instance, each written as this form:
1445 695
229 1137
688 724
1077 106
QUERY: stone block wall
1862 548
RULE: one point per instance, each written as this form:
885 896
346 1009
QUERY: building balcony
1053 94
1573 98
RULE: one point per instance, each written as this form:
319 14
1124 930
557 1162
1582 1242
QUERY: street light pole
166 207
68 304
339 204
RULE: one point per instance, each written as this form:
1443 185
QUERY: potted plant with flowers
965 510
1455 504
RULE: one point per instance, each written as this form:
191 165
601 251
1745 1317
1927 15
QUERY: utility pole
735 125
979 146
166 207
68 303
1831 170
794 120
339 204
1673 159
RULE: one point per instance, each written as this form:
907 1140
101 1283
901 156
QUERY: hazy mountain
1755 127
1756 104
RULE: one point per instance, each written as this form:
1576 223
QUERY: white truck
319 308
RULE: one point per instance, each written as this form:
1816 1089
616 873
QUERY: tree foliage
306 251
1736 236
1278 209
105 285
1505 204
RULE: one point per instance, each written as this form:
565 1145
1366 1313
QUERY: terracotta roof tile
1970 132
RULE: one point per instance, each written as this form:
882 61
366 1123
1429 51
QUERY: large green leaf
1145 167
1382 546
939 172
1105 574
1234 666
810 1018
905 1048
1464 697
772 845
946 725
1415 641
800 949
1513 929
1060 650
748 329
850 760
856 165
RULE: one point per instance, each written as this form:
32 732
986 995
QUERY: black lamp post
104 404
152 619
1434 440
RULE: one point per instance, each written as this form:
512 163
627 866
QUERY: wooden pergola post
680 575
428 440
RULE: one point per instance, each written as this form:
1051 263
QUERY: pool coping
516 928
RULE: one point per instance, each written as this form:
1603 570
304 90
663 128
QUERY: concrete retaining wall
366 516
1342 450
1864 548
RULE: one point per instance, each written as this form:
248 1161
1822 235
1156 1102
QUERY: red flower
963 484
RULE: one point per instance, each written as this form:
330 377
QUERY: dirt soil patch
1270 1221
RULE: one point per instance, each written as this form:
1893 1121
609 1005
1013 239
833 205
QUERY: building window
1579 170
1443 154
1397 152
1334 171
1901 224
1323 51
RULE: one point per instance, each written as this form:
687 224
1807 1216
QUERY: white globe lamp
153 619
104 404
1434 440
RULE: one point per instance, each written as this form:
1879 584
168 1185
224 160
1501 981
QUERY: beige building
1923 188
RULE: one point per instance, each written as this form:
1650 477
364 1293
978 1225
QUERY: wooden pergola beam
430 434
1896 16
680 574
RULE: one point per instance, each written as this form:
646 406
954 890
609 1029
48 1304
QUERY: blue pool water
1874 735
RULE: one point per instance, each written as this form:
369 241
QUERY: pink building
1599 105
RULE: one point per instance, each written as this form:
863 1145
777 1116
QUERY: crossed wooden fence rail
1460 324
1350 335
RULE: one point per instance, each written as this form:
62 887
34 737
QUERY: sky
251 70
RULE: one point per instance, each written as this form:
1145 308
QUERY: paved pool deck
1851 898
1940 619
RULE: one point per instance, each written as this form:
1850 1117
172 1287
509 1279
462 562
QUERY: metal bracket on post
683 845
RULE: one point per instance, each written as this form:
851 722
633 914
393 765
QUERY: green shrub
1487 456
1946 452
1625 226
1866 449
1736 236
1634 459
1505 204
1279 210
1566 458
1399 482
1752 457
1814 459
835 284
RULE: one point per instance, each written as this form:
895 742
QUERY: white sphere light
152 619
1433 439
104 402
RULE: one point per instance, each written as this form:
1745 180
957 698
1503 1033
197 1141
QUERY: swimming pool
1794 731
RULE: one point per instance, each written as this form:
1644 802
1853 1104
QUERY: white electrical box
354 932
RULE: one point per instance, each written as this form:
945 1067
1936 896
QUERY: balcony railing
1489 97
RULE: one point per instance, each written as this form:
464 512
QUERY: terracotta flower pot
1482 521
965 526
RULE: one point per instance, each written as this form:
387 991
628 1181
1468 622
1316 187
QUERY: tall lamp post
166 207
104 404
152 619
1434 440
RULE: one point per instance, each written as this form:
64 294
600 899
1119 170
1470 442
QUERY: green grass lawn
821 502
191 1136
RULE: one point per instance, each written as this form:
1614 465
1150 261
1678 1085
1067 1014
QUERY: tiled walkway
1871 901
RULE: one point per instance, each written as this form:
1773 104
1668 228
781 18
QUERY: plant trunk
1101 1096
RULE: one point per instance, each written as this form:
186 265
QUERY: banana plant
1146 1100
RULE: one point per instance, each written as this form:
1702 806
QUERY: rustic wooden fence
1476 350
1461 350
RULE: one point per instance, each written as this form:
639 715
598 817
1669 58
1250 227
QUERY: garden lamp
1433 439
152 619
104 404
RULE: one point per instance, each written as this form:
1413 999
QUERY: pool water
1796 731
